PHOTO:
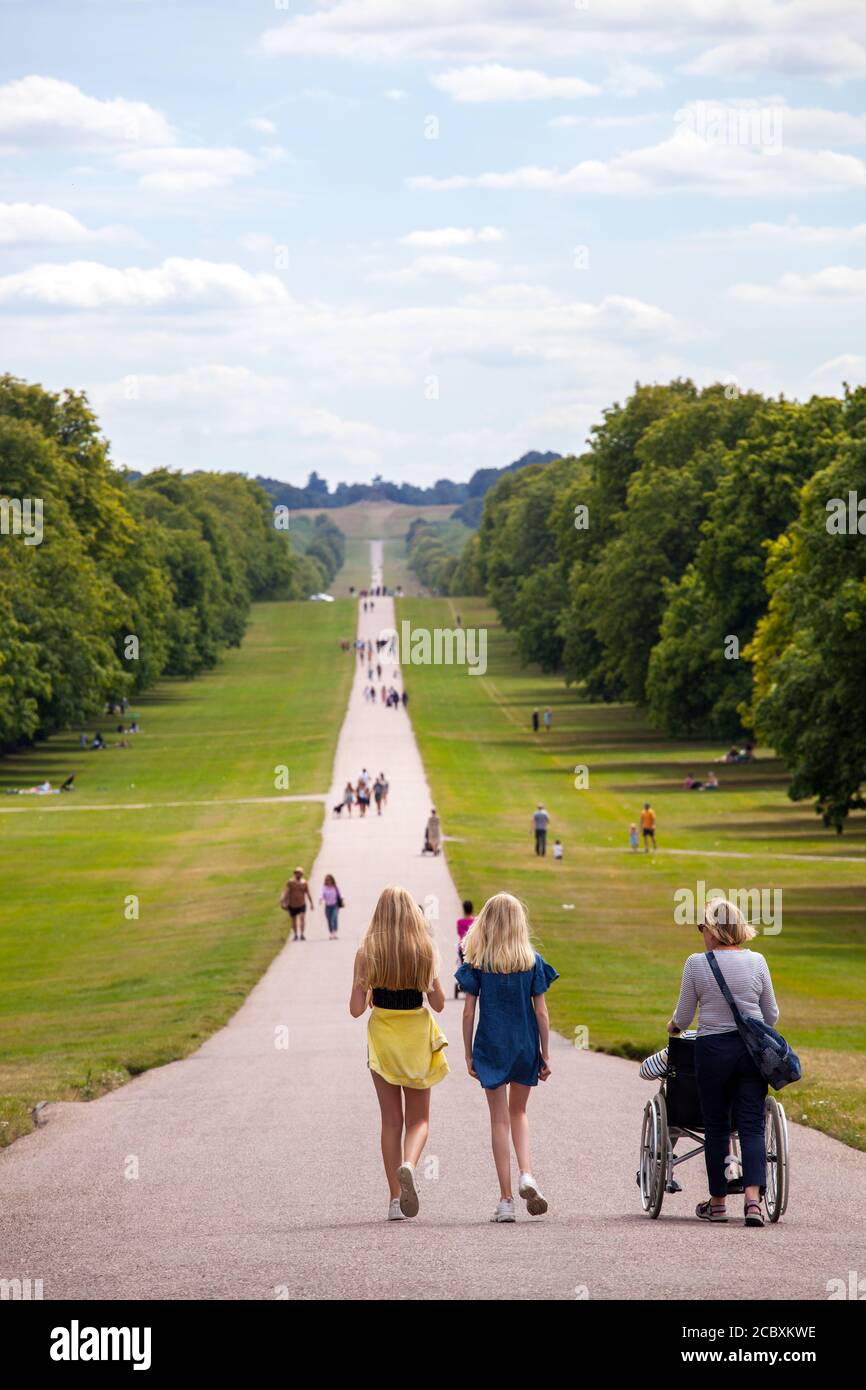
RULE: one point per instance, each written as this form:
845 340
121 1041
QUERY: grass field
605 916
90 996
363 522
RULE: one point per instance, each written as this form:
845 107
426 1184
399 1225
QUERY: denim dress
506 1043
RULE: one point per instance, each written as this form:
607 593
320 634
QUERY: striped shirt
747 976
655 1067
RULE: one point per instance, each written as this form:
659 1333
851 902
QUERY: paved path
258 1167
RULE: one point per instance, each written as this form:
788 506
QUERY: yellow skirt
406 1047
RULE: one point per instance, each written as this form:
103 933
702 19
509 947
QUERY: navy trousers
732 1094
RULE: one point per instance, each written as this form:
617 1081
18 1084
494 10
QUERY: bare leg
417 1123
499 1132
391 1106
517 1098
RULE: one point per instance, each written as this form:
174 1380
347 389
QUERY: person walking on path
395 967
506 980
349 797
548 720
648 827
378 794
731 1089
332 901
535 721
294 899
384 780
434 831
540 822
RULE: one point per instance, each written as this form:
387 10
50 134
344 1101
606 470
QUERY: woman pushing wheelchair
731 990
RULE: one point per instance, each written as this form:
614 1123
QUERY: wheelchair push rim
652 1169
776 1136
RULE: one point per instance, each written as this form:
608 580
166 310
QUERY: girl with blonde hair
505 978
395 967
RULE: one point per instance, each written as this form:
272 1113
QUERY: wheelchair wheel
652 1172
776 1194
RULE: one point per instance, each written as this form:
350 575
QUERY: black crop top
398 998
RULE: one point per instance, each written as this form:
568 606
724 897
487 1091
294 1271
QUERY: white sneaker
536 1202
504 1210
408 1198
394 1212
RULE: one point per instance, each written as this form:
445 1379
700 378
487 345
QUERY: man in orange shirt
648 826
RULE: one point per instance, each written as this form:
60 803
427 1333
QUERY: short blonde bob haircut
397 948
727 923
499 939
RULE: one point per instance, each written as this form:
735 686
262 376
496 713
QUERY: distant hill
467 497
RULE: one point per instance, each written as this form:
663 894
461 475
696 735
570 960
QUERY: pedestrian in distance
294 899
648 827
505 979
548 720
557 851
540 822
535 721
332 902
395 968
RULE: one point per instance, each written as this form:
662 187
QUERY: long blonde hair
499 939
397 948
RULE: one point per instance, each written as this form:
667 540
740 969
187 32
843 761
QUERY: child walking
507 979
394 968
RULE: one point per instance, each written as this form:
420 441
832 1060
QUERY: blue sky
418 237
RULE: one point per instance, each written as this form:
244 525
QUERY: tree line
107 582
702 558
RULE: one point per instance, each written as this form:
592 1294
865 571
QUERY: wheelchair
674 1113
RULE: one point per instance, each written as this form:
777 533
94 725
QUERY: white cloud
833 57
683 163
846 367
733 36
462 268
792 233
835 282
244 401
395 94
38 224
45 111
493 82
438 237
188 170
262 125
177 283
630 79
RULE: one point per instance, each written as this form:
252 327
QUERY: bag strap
722 984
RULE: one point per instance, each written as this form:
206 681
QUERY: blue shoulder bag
778 1064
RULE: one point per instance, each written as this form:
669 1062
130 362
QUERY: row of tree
689 561
468 496
107 583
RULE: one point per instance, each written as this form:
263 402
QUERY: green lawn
605 916
90 997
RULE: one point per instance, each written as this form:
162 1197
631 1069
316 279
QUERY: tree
809 651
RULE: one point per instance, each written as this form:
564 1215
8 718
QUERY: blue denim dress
506 1045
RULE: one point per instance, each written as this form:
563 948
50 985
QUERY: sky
419 237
